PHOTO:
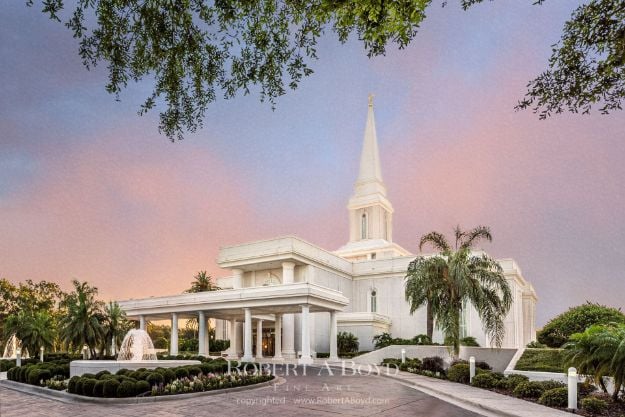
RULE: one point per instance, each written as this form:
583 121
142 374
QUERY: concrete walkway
476 398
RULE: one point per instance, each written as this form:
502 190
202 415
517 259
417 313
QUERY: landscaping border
66 397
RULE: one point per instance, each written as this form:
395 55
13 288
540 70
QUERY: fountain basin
78 368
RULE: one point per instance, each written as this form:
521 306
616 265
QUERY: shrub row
38 373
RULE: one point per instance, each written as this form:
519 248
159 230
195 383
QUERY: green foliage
98 388
219 345
346 343
194 370
469 341
382 340
385 339
202 282
576 320
454 278
142 387
99 374
33 377
79 384
542 360
433 364
529 389
555 397
535 345
127 389
168 376
110 388
88 386
459 373
182 373
510 382
594 406
551 384
155 378
485 380
82 325
71 386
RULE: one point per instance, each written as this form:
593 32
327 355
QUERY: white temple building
287 298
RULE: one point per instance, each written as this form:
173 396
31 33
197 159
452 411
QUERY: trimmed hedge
110 388
459 373
98 388
484 380
542 360
510 382
433 364
127 389
154 378
594 405
88 386
555 397
529 389
141 387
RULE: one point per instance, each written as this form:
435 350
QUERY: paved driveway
310 395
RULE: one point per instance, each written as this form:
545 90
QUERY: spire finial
371 100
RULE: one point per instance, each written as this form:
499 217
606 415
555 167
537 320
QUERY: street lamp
18 357
41 354
84 352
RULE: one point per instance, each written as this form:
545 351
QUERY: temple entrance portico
263 309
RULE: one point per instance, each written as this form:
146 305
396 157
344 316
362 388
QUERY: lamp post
403 356
41 354
18 357
471 368
572 382
84 352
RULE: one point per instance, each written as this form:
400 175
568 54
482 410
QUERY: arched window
363 226
374 301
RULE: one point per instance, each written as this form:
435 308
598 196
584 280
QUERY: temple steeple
370 175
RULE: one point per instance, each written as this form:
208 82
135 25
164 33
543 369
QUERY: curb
66 397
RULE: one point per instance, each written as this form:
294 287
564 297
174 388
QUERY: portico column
278 340
207 337
288 320
259 339
173 344
333 347
237 281
232 351
142 322
305 329
201 321
247 339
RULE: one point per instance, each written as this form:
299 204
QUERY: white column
232 350
173 344
305 330
333 340
247 338
288 320
142 322
259 339
207 337
201 323
278 339
237 281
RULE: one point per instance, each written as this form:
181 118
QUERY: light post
403 356
471 368
41 354
84 352
18 357
572 380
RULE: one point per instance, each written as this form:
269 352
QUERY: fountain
10 349
137 351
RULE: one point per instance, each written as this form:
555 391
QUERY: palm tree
35 330
203 282
115 327
82 325
455 277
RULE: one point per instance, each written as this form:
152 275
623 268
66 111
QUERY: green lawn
542 360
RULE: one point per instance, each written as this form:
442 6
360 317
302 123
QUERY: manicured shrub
127 389
123 371
594 405
410 364
142 387
484 380
182 373
79 385
168 376
433 364
346 343
459 373
154 378
71 385
585 388
551 384
88 375
44 375
555 397
101 373
88 385
194 370
542 360
106 376
33 377
535 345
576 320
469 341
529 389
510 382
98 388
110 388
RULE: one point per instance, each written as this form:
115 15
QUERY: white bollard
84 352
471 368
41 354
18 357
572 388
403 356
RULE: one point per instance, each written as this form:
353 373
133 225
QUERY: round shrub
529 389
88 375
168 376
134 374
510 382
71 385
551 384
123 371
594 405
206 368
484 380
142 387
101 373
110 388
459 373
98 388
194 370
44 375
433 364
154 378
555 397
79 385
182 373
33 377
127 389
88 385
106 376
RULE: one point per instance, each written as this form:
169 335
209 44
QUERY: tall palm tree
455 277
85 315
115 327
203 282
35 330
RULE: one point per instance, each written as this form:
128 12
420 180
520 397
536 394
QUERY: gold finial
371 100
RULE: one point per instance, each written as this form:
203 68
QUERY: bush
484 380
88 385
98 388
182 373
71 385
168 376
101 373
469 341
127 389
433 364
219 345
577 319
535 345
142 387
542 360
44 375
88 375
410 365
529 389
110 388
555 397
594 405
510 382
194 370
459 373
346 343
549 385
33 377
585 388
79 385
155 378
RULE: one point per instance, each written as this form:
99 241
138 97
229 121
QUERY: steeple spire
370 175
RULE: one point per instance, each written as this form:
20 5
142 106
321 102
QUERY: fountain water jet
137 346
10 349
